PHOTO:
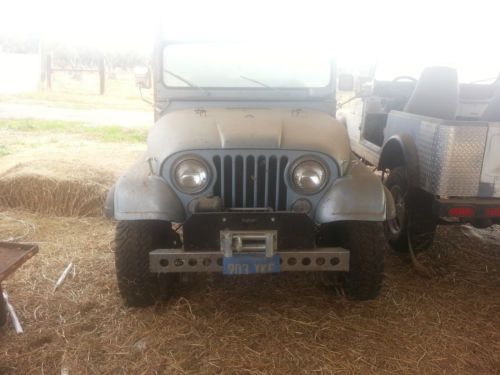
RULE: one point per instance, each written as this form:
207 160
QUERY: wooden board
13 255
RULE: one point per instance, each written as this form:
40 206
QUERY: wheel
414 219
133 242
366 260
3 309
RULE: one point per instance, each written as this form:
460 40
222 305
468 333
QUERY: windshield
216 65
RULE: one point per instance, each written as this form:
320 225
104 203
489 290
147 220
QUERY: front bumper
319 259
285 239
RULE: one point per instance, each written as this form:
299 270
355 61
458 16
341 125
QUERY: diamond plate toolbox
451 157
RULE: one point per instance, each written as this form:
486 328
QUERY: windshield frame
235 93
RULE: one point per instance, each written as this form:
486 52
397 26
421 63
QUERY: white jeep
247 159
438 143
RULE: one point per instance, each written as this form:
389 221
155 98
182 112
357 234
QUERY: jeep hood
252 128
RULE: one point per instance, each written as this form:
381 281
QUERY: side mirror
346 82
142 77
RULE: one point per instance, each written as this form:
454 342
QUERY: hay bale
55 188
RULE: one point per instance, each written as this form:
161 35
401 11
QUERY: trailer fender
400 151
358 196
141 195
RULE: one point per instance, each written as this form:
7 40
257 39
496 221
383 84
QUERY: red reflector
461 212
493 212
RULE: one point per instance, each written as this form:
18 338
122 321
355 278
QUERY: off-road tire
133 242
417 223
3 310
366 265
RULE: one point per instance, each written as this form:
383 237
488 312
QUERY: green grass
102 133
4 151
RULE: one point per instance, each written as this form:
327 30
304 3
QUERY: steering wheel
404 78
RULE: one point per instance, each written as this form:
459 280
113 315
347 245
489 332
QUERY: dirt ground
447 323
77 99
258 325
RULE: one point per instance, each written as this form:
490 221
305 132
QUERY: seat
436 94
492 111
394 94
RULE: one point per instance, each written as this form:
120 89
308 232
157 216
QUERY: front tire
133 242
415 221
366 264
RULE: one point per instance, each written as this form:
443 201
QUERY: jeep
437 140
247 171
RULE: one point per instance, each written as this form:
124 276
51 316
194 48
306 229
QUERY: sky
432 31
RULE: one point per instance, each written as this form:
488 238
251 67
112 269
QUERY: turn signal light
462 212
493 212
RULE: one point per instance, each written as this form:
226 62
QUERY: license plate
246 264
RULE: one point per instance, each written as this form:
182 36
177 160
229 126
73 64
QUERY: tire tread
367 253
133 242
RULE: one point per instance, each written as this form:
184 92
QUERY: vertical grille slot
249 181
281 199
253 181
227 181
239 181
218 176
272 182
261 181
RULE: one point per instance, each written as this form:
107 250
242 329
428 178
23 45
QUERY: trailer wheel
3 309
366 261
133 242
415 222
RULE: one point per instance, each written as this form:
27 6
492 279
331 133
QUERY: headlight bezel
185 158
297 163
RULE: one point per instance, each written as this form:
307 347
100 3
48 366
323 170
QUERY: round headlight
309 176
191 175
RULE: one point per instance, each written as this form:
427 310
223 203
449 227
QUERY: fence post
48 74
102 76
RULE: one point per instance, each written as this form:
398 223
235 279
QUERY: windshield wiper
494 79
257 82
267 86
190 84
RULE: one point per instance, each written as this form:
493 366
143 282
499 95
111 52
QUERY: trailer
12 256
437 145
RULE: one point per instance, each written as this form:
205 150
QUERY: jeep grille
252 181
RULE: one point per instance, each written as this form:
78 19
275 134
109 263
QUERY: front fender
140 195
400 150
359 195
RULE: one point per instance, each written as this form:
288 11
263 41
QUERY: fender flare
140 195
401 150
358 196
